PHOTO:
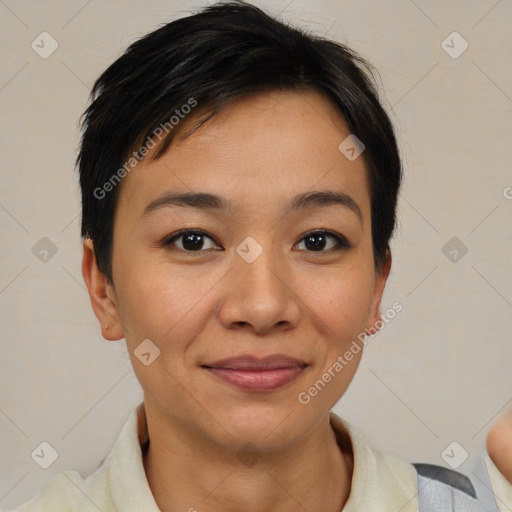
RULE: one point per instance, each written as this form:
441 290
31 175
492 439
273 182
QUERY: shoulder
380 480
119 479
69 492
370 457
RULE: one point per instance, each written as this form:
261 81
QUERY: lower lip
258 380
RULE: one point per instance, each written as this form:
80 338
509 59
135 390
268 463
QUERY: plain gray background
438 373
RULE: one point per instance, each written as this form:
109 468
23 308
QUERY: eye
316 241
193 240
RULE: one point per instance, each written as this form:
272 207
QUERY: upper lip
249 362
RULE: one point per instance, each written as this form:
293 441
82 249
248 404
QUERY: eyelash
342 242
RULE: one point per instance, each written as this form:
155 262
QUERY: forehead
260 148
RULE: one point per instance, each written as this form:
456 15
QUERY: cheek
163 304
343 304
154 302
342 310
165 311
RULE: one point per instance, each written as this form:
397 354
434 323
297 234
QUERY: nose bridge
259 293
260 266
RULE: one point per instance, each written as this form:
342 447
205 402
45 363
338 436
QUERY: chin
268 427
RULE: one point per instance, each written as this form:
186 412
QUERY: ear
101 294
380 283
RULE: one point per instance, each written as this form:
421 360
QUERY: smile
257 379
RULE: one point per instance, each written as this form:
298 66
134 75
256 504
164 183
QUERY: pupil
192 241
320 243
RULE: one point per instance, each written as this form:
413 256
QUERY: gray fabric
480 478
436 496
447 476
444 490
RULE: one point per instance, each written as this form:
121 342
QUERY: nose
260 295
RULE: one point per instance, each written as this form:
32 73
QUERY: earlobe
101 295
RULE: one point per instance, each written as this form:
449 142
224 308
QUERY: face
257 278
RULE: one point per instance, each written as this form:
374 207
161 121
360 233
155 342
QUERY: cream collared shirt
380 481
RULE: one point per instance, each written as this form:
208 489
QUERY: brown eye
316 241
192 240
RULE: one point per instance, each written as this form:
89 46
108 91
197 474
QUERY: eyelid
342 242
169 239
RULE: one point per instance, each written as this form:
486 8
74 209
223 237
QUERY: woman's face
260 280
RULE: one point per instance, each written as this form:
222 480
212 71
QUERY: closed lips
252 364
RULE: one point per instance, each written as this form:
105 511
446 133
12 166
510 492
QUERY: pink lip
250 373
250 362
258 380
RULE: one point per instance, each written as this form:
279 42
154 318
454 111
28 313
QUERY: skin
499 444
259 153
201 306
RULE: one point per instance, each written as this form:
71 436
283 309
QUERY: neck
188 472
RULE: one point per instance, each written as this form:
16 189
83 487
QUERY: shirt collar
379 480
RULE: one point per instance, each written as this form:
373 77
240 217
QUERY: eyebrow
206 201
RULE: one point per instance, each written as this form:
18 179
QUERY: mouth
252 374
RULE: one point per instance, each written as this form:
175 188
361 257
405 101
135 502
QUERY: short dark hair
223 52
